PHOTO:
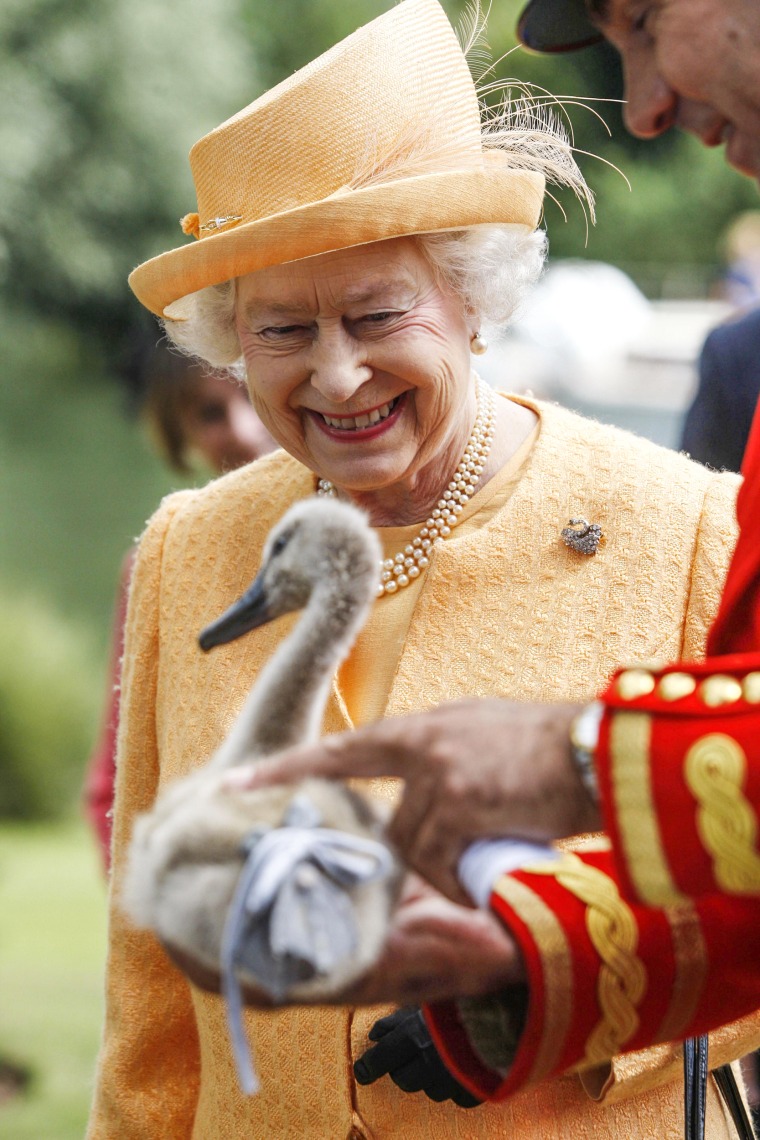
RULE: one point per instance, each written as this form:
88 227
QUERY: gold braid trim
715 769
630 745
612 928
690 958
556 969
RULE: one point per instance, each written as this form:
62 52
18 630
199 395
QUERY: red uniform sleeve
679 748
679 773
606 976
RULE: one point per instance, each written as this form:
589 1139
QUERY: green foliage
49 695
665 230
281 50
77 480
99 104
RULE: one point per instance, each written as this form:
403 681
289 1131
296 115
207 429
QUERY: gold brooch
582 535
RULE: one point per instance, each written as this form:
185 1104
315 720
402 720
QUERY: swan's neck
286 704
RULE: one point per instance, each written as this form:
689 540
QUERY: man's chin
743 153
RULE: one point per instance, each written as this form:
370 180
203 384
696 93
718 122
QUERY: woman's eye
278 332
377 318
212 413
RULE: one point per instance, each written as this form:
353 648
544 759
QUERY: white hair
490 268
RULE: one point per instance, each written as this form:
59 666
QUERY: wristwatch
584 737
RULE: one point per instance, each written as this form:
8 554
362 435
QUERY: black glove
405 1051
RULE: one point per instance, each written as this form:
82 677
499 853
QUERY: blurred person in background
740 284
717 424
199 419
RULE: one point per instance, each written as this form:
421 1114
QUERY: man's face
692 64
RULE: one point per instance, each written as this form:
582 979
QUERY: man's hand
473 769
435 950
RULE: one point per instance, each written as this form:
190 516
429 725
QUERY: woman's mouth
366 425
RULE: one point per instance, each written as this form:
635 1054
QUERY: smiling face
358 363
693 64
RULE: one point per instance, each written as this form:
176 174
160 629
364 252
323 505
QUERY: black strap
695 1092
695 1087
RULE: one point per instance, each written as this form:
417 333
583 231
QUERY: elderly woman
356 231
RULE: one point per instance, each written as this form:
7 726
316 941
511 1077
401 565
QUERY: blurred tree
290 33
99 104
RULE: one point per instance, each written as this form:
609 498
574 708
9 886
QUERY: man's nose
651 104
338 364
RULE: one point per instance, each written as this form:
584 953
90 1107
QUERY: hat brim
552 26
421 204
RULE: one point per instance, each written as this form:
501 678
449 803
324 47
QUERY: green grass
52 951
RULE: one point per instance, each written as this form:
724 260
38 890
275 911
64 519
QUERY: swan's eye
280 544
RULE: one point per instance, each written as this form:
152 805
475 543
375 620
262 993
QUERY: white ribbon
273 858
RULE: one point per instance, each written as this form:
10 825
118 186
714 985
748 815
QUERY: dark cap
556 25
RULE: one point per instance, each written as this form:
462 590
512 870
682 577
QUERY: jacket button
635 683
751 688
720 690
674 686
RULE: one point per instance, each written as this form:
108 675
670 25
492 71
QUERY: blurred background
99 105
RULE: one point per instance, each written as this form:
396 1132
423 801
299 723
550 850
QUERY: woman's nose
338 364
651 104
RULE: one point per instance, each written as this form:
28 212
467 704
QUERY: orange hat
378 137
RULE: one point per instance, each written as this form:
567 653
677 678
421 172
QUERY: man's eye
641 20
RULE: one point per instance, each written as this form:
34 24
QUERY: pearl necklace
404 567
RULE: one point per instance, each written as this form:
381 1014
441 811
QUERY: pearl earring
478 344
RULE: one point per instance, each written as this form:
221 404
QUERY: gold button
720 690
751 688
673 686
635 683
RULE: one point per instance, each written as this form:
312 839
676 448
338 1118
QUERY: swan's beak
245 614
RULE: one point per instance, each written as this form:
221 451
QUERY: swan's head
321 547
